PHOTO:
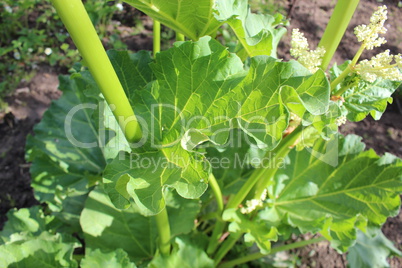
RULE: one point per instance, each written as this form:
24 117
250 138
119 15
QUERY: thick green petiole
162 223
83 33
157 37
336 28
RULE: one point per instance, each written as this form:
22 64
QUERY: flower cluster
311 59
380 66
253 204
340 120
369 34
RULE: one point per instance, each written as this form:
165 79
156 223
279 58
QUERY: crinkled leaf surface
256 231
371 250
113 259
201 92
319 197
191 18
363 97
186 253
45 250
257 33
64 150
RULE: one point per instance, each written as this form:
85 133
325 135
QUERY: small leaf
45 250
113 259
185 254
371 250
255 231
362 97
22 224
257 33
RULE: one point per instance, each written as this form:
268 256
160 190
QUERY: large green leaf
65 150
201 92
113 259
371 250
313 194
186 253
257 33
191 18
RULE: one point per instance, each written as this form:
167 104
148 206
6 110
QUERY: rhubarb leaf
201 92
315 195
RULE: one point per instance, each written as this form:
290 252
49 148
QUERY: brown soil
30 100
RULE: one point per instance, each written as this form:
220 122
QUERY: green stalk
180 37
260 173
83 33
336 28
274 250
217 192
157 36
162 219
226 246
162 223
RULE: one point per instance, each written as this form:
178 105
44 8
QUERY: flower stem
180 37
83 33
281 151
162 223
336 28
157 36
274 250
340 78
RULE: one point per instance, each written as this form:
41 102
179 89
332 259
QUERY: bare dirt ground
31 99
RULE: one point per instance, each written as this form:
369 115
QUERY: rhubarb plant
177 158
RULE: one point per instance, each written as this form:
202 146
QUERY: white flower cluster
311 59
340 120
253 204
380 66
368 34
